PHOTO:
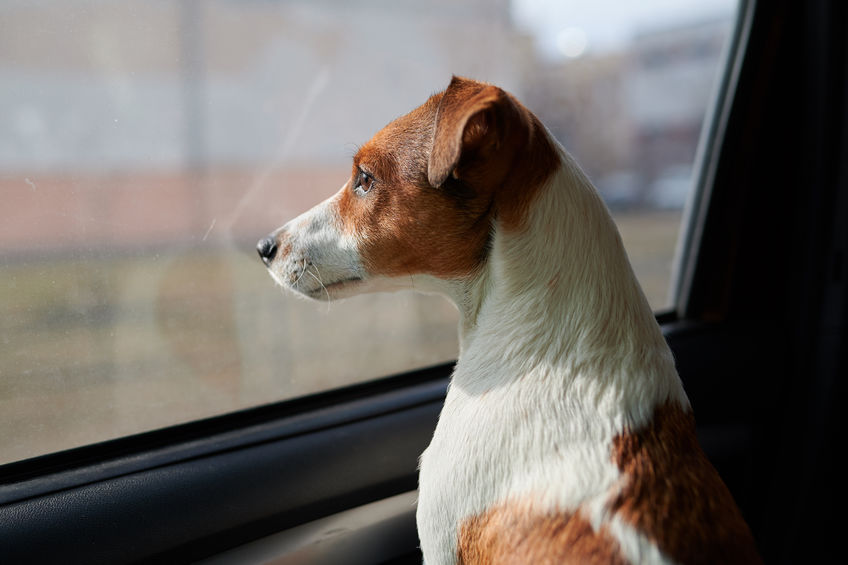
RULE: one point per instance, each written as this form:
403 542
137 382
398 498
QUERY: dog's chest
504 445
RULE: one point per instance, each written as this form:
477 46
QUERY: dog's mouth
325 291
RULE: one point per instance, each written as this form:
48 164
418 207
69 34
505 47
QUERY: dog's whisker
302 272
327 292
319 277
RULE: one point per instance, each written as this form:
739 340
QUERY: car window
145 146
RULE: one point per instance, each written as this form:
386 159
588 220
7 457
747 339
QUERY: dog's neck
558 299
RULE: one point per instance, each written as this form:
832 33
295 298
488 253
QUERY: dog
566 435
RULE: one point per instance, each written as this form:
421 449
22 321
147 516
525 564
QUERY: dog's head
422 199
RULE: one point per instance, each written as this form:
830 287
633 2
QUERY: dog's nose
267 249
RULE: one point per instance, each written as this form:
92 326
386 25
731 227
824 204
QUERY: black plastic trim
75 467
710 146
233 493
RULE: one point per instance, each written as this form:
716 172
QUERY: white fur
560 353
635 547
320 256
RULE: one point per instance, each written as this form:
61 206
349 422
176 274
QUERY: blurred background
146 145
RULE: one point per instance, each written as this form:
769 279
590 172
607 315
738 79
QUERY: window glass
145 146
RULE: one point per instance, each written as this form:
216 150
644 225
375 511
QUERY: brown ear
470 116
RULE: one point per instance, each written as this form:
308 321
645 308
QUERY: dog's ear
471 119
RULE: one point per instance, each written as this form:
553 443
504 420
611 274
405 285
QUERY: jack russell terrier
566 436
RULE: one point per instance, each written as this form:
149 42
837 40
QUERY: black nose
267 249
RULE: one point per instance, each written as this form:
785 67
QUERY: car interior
759 332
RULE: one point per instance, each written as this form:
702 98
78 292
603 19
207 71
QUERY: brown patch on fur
405 226
415 219
491 141
675 497
285 248
514 534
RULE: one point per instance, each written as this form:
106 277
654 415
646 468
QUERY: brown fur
515 534
675 497
504 149
444 172
404 225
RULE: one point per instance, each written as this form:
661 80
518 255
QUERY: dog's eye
364 182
